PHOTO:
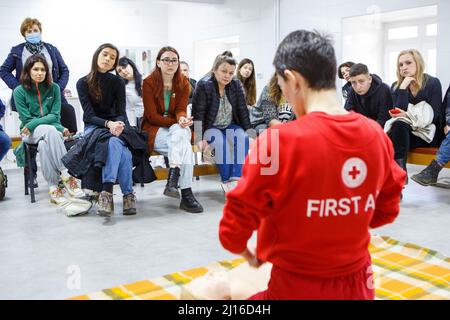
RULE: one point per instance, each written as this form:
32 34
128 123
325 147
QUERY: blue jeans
231 147
5 143
443 155
119 165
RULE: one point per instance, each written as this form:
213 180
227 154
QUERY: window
403 33
432 29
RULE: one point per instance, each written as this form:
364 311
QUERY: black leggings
68 117
403 139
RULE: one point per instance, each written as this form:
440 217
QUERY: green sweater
27 103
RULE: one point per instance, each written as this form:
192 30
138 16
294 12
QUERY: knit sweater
38 106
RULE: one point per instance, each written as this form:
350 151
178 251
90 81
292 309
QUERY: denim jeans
231 147
175 143
443 155
119 165
5 143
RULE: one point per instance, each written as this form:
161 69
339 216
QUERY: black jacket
374 104
206 101
193 84
445 105
86 158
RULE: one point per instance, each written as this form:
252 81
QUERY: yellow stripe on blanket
402 271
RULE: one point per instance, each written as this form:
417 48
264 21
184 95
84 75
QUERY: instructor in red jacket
313 187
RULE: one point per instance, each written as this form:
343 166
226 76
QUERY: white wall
251 20
326 15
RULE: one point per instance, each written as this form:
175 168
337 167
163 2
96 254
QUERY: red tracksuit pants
285 285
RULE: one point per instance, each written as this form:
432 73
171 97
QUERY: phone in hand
395 111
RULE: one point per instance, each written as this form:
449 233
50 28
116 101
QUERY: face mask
33 38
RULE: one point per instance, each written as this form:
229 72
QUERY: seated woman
412 87
344 74
272 107
38 102
429 175
219 105
246 74
166 95
102 97
133 81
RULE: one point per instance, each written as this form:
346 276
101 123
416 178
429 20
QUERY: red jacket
336 178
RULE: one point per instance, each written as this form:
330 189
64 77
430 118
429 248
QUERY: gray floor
42 252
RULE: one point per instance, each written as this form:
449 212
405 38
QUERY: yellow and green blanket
402 271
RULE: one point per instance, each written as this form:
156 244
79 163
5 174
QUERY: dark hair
184 62
310 54
223 59
92 79
347 64
25 77
156 73
125 62
358 69
227 53
249 84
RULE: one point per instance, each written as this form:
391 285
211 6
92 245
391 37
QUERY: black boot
429 175
171 189
189 203
402 164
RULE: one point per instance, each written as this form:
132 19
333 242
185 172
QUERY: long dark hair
249 83
177 77
124 62
25 77
92 79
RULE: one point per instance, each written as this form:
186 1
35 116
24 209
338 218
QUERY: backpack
3 184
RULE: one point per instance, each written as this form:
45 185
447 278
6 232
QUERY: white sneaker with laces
57 196
72 187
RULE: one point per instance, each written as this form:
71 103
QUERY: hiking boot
189 203
429 175
57 196
171 189
72 187
402 164
129 204
105 204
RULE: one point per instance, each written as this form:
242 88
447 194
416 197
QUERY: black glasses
169 61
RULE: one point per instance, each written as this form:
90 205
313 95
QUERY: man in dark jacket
192 82
370 96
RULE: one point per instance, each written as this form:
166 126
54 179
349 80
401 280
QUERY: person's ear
294 80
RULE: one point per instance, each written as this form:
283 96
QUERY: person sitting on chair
166 94
38 102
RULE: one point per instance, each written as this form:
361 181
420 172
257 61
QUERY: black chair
29 171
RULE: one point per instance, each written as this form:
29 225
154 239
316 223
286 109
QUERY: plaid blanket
402 271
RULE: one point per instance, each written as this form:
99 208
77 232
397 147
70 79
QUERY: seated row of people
390 106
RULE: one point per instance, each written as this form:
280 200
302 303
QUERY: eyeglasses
169 61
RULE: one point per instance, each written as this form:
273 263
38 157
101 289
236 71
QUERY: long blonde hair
420 68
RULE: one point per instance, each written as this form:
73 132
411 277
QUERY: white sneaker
57 196
72 187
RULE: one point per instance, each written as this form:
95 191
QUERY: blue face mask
33 38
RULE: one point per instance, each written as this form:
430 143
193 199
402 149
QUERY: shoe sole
191 210
104 214
422 183
172 195
129 213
